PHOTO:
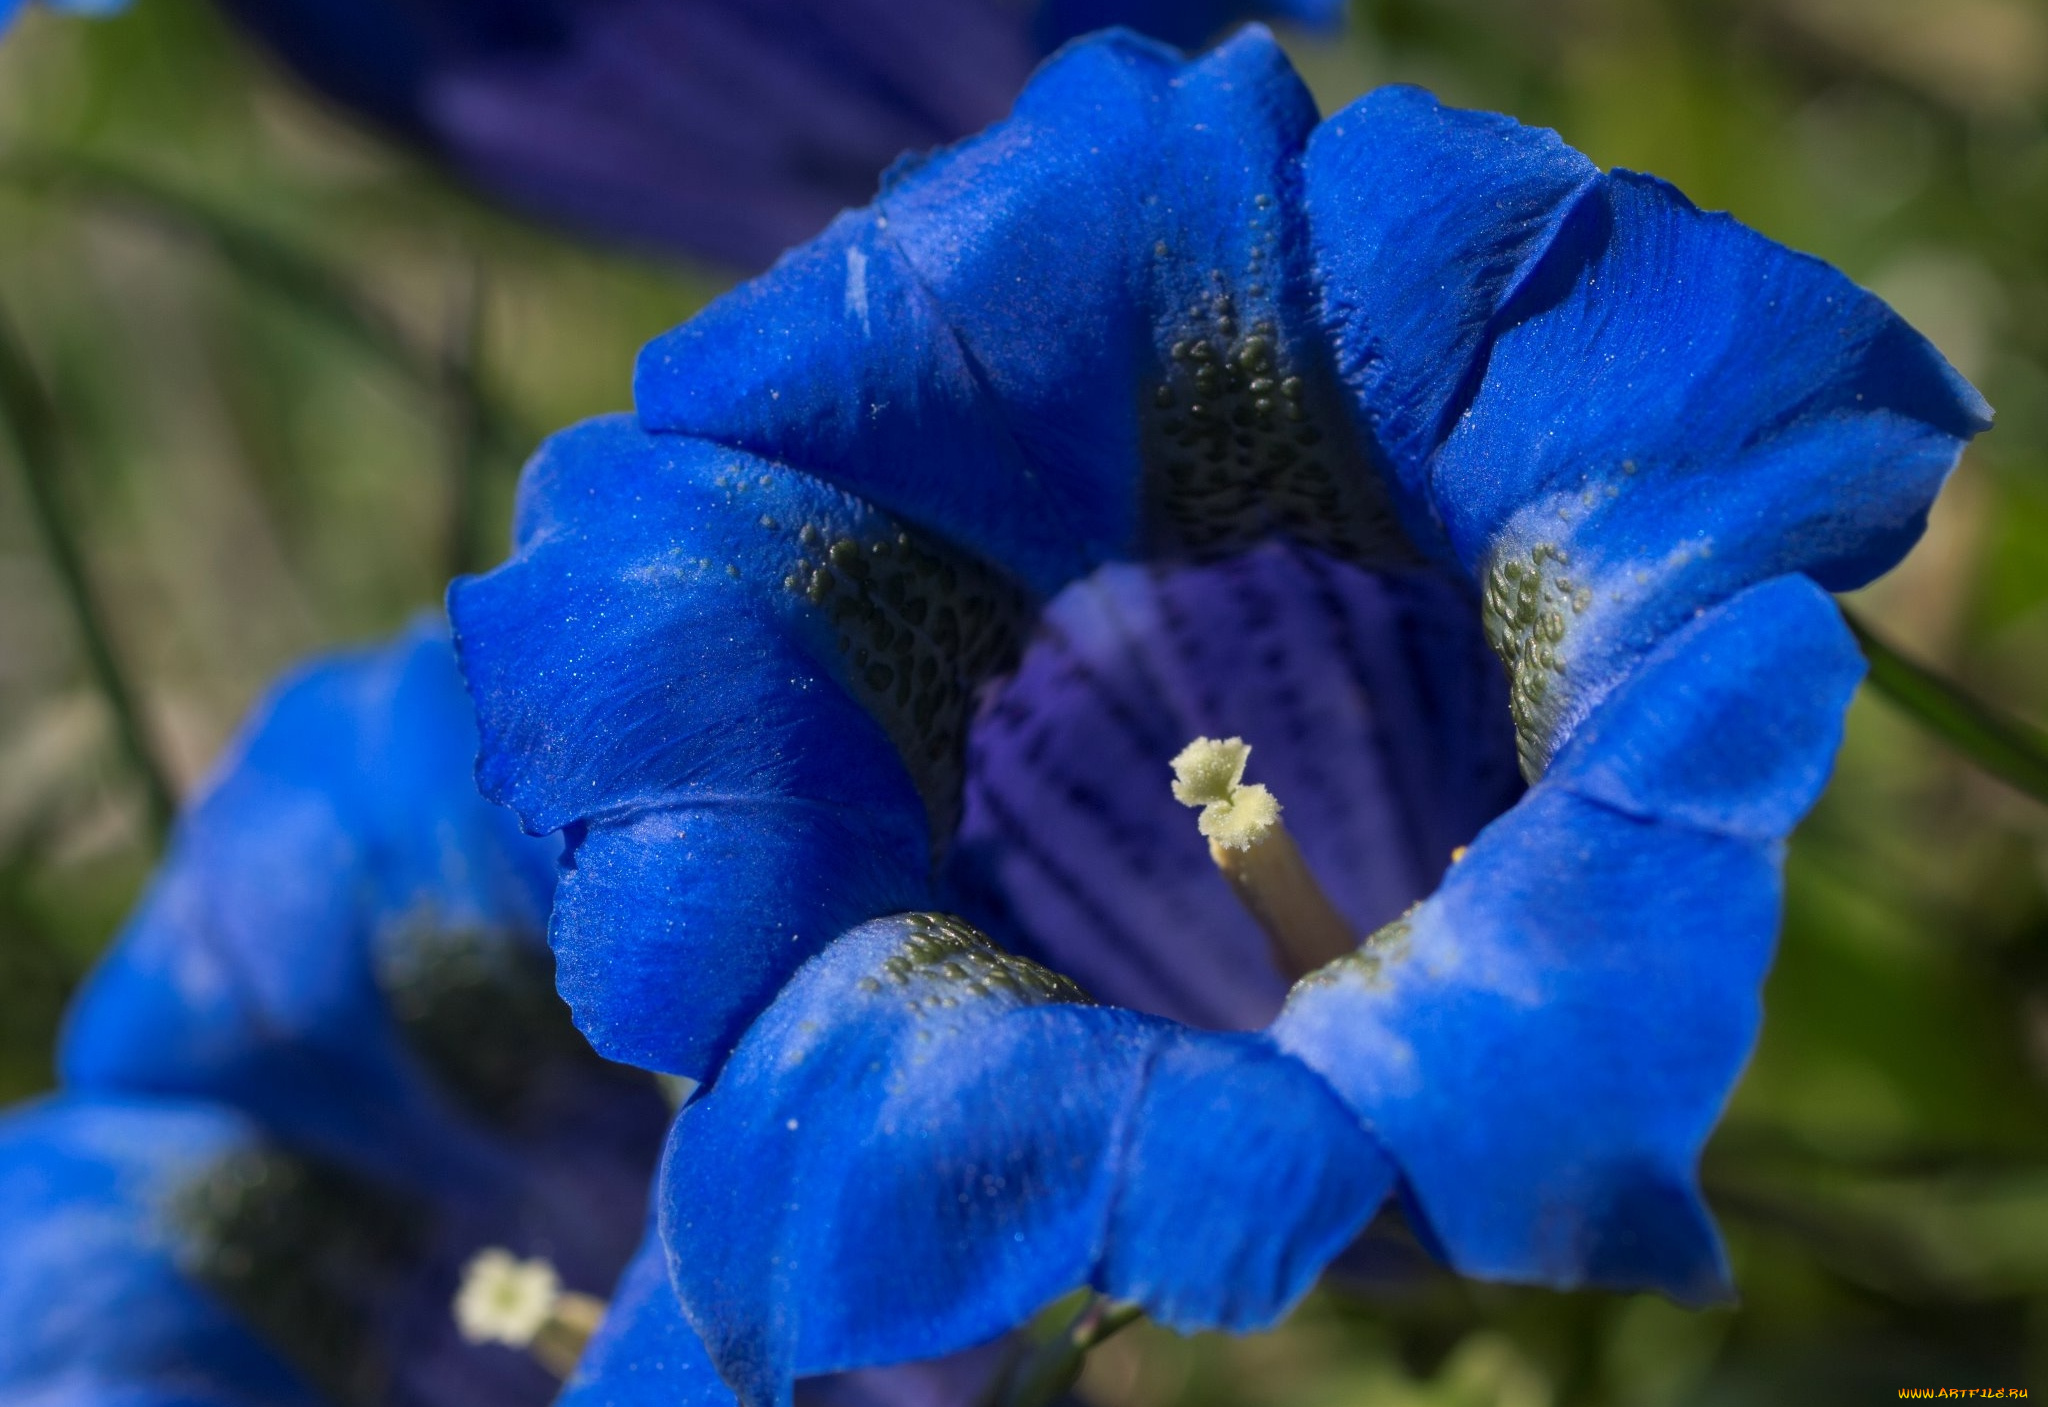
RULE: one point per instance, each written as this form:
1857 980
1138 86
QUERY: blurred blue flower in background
10 8
321 1069
728 129
98 1290
856 664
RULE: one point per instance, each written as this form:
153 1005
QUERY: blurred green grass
255 478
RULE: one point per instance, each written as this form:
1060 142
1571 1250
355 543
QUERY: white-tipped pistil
1249 843
521 1304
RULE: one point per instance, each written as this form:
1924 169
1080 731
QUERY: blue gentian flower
726 129
322 1068
1493 500
171 1251
96 1195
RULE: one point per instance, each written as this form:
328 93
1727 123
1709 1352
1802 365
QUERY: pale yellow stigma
521 1304
1251 846
1210 774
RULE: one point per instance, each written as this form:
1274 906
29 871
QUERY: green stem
31 423
2005 747
1044 1371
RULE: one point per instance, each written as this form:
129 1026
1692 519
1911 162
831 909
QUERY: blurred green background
295 371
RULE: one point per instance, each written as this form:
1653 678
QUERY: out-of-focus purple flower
727 129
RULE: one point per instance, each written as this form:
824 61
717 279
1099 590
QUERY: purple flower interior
1376 713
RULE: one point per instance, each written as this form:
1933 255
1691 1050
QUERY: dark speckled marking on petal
479 1009
919 628
943 958
1244 438
308 1255
1527 610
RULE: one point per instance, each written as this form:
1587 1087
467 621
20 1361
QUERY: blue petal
337 852
1373 706
675 925
1426 220
1690 739
644 612
1241 1178
939 1139
1185 172
839 360
645 1354
97 1308
978 357
1622 410
651 671
1544 1045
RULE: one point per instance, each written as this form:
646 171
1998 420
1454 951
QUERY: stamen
521 1304
1250 844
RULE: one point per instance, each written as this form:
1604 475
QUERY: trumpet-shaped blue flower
323 1066
173 1251
100 1304
1490 498
719 128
